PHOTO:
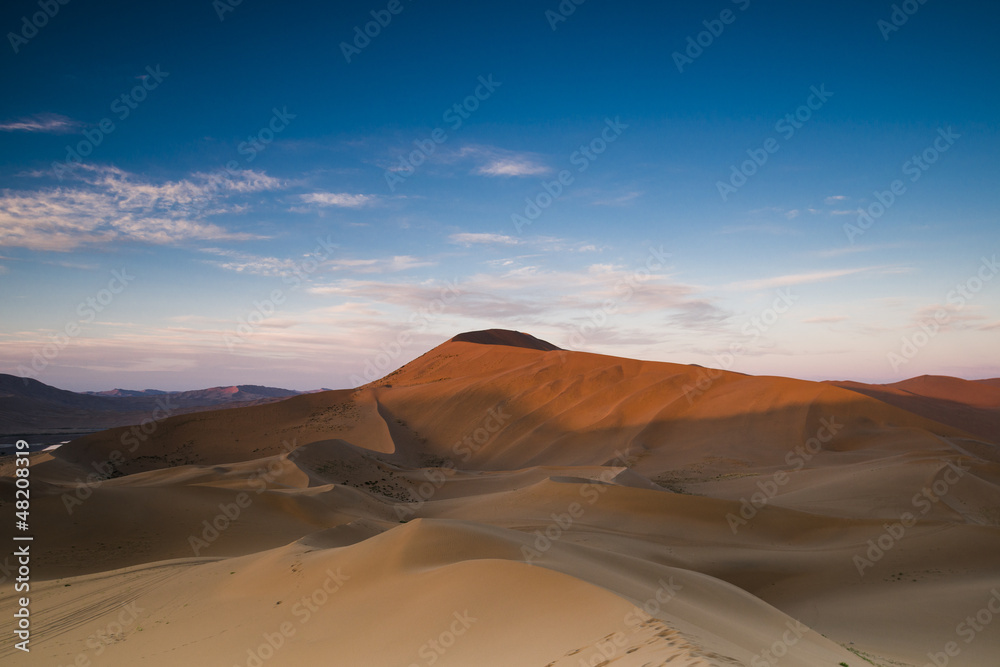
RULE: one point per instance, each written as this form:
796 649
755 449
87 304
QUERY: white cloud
833 199
49 123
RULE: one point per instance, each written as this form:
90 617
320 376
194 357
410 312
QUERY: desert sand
501 502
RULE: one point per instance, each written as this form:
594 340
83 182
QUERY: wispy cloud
792 279
48 123
481 160
950 317
768 211
500 162
831 319
341 199
242 262
776 230
620 200
514 296
392 264
853 249
470 238
106 204
511 167
833 199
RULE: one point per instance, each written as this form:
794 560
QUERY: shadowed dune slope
972 405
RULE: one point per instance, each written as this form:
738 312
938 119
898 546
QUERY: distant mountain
30 407
127 392
242 392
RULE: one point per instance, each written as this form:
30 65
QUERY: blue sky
287 203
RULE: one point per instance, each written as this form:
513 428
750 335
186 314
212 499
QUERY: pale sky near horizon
200 193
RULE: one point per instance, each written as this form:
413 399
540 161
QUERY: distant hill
248 392
30 407
971 405
127 392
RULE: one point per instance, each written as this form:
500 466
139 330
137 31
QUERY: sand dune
499 501
971 405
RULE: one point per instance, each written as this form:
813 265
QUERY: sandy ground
491 504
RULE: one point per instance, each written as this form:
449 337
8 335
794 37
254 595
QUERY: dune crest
504 337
